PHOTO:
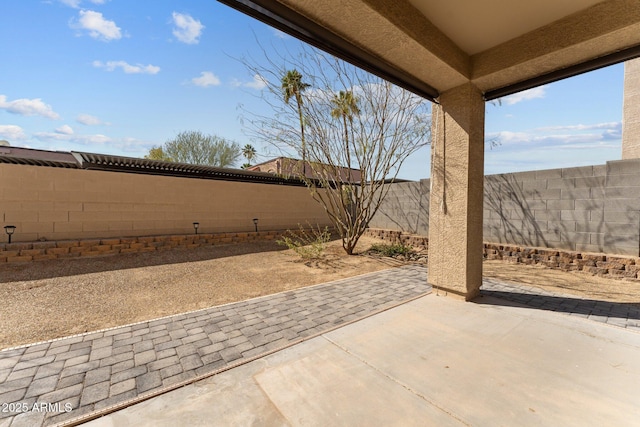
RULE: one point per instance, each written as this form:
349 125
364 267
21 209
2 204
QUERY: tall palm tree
249 153
292 87
346 106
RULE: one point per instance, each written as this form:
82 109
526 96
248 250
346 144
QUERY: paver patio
625 315
101 370
93 371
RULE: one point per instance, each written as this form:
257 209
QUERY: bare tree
348 121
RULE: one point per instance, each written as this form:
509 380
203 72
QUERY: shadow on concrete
588 308
75 266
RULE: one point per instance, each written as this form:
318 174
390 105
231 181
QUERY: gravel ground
52 299
576 283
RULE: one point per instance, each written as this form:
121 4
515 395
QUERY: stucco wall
55 203
585 209
631 110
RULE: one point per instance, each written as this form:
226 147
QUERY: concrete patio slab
433 361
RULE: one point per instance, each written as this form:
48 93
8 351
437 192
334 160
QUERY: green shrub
390 250
309 243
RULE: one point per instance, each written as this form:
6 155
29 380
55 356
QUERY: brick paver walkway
90 372
625 315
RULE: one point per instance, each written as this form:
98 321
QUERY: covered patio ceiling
431 46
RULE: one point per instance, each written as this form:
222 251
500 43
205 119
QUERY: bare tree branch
347 121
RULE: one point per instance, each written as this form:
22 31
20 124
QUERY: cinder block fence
584 209
54 203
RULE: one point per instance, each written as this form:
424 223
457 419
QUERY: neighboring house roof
287 166
28 156
106 162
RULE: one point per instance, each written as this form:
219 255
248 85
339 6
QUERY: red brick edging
616 266
37 251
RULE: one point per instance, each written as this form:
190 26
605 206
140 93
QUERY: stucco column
455 209
631 110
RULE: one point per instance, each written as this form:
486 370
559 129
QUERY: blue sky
118 77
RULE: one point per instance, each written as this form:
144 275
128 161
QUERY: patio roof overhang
459 54
430 46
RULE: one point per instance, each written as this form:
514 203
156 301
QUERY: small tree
197 148
346 118
157 153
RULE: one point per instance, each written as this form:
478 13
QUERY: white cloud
65 130
525 95
91 142
88 120
607 125
257 83
92 139
28 107
539 158
207 78
134 145
127 68
280 34
98 27
320 94
506 138
615 134
76 3
569 136
78 139
11 132
71 3
187 29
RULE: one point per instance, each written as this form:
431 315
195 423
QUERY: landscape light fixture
195 226
9 229
255 222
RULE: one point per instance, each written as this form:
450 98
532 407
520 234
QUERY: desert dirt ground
52 299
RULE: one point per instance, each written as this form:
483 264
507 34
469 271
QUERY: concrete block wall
47 203
583 209
406 208
555 208
621 214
